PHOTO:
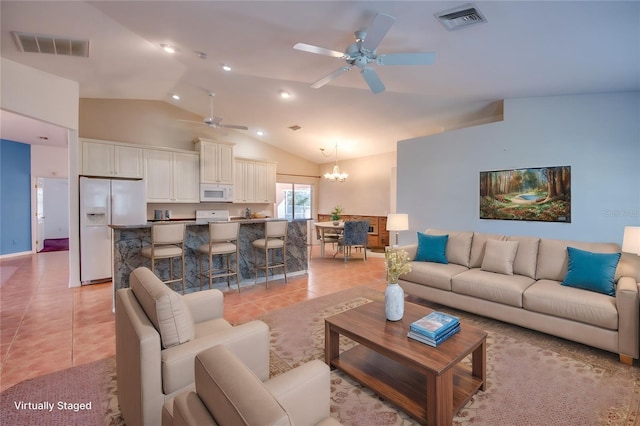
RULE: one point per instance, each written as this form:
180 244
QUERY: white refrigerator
105 202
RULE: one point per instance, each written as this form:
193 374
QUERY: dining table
322 227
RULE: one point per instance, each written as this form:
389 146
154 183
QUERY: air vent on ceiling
460 17
295 127
38 43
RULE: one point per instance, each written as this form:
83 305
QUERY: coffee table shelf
429 383
399 384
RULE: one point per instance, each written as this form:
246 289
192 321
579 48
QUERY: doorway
52 214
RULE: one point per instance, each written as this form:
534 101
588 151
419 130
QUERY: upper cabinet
110 159
216 161
172 176
255 181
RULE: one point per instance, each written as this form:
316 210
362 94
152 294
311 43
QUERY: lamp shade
397 222
631 240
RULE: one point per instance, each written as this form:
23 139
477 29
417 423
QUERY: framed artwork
534 194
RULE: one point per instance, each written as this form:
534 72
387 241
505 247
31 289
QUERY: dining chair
355 234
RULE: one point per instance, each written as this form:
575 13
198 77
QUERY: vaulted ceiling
524 49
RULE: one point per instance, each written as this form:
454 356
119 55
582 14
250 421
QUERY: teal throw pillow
432 248
592 271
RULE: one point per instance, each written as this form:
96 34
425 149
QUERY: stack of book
434 328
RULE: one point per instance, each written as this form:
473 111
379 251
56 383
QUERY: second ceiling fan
363 52
215 122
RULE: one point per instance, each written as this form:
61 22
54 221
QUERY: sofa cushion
550 298
478 247
527 255
164 307
458 245
500 288
553 259
591 271
432 248
437 275
232 393
499 256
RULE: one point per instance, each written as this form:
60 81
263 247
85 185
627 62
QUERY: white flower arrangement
397 264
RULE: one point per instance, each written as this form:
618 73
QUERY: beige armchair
229 394
158 334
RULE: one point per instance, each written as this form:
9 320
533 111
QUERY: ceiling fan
363 52
215 122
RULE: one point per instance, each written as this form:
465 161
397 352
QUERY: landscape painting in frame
536 194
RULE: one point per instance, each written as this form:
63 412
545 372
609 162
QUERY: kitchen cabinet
172 176
255 181
109 159
216 161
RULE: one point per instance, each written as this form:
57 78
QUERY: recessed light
284 94
260 133
225 67
175 97
44 138
168 48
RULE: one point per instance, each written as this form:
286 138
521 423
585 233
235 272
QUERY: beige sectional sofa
526 290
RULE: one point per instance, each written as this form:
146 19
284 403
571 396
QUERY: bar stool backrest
223 231
276 229
167 233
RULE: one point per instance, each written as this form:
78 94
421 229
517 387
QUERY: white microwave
214 193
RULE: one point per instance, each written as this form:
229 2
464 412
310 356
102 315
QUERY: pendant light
335 175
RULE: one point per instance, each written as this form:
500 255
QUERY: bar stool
275 237
223 241
167 242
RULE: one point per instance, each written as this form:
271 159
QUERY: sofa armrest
411 249
205 305
304 392
628 304
249 342
189 410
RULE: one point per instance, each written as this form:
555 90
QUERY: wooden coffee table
429 383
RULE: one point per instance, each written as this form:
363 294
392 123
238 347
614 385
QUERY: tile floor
46 326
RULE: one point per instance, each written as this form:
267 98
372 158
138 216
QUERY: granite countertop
193 222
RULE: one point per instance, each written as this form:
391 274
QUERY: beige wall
366 191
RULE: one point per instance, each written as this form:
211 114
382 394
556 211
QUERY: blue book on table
434 325
431 342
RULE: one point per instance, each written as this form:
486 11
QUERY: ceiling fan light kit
362 53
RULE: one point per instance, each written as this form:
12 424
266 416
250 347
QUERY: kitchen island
128 241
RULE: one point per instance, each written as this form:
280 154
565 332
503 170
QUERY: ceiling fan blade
426 58
319 50
326 79
190 121
376 31
233 126
371 77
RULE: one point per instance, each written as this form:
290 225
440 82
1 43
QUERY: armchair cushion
164 307
233 393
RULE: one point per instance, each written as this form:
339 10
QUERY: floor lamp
397 222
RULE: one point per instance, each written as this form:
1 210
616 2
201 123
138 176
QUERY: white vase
394 302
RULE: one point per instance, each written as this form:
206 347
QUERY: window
293 201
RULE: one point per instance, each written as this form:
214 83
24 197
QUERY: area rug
55 244
532 378
82 395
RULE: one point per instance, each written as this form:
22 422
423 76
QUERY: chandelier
335 175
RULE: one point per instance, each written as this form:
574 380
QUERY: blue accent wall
597 135
15 197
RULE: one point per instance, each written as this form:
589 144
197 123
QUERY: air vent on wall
38 43
460 17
